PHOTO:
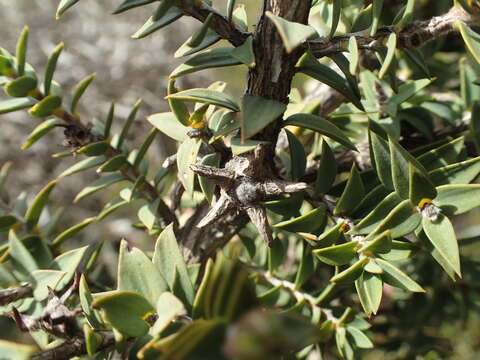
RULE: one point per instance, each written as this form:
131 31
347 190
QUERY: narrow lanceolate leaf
395 277
381 156
376 14
34 211
391 46
51 66
442 236
21 259
327 171
211 37
40 131
457 199
80 90
354 56
352 194
144 148
67 234
309 222
208 186
443 155
162 9
7 221
402 220
83 165
369 288
244 52
12 105
460 173
198 37
64 6
136 272
128 312
215 58
320 125
21 86
167 258
113 164
406 16
363 20
293 34
178 107
186 156
21 51
128 124
46 106
130 4
206 96
382 244
297 155
310 66
257 113
421 187
337 255
471 39
151 25
98 185
94 149
351 274
335 19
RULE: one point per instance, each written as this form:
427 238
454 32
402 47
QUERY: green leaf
206 96
395 277
162 9
7 221
21 259
402 220
211 37
376 15
381 155
11 350
168 124
167 257
407 90
406 16
215 58
36 207
369 289
297 155
109 120
80 90
321 126
382 244
257 113
64 6
169 309
186 156
244 53
306 267
400 250
311 67
459 173
471 39
113 164
40 131
6 67
50 69
94 149
222 123
68 262
151 26
334 20
363 20
128 123
98 185
208 186
43 279
327 170
293 34
130 4
239 147
442 236
21 86
148 213
46 106
67 234
337 255
354 56
474 125
421 187
352 194
443 155
137 273
391 46
309 222
457 199
21 51
12 105
351 274
128 312
197 38
178 107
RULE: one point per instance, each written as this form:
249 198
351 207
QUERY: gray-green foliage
354 199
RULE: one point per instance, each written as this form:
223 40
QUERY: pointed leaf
21 86
395 277
46 106
11 105
208 186
40 131
36 207
293 34
309 222
98 185
168 124
63 6
186 156
421 187
257 113
352 194
337 255
458 199
151 26
351 274
206 96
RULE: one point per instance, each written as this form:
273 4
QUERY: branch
222 26
412 36
73 348
15 293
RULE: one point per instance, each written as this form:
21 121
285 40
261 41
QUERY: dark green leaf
395 277
36 207
46 106
151 26
80 90
98 185
40 131
21 86
257 113
352 194
206 96
50 69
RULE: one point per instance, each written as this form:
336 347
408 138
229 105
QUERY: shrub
286 225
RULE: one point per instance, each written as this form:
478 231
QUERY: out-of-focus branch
15 293
222 26
414 35
73 348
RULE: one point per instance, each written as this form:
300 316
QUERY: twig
414 35
222 26
76 347
12 294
